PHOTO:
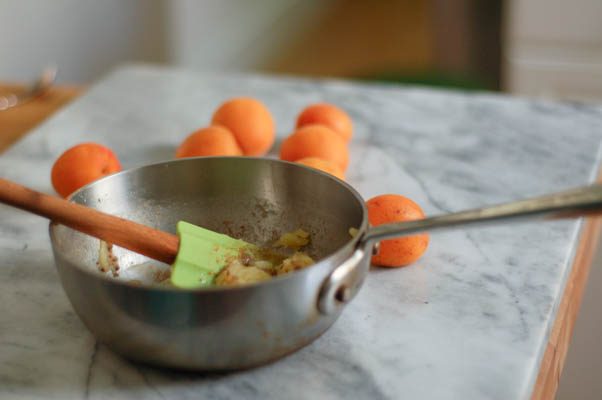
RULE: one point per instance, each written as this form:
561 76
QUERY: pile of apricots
244 126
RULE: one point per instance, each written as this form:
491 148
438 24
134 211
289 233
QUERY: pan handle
582 201
343 283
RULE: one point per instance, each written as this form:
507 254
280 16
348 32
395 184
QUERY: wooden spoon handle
153 243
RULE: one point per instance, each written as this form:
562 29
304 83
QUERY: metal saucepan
255 199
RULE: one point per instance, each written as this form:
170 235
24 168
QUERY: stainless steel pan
255 199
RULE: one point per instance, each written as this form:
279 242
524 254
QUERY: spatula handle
139 238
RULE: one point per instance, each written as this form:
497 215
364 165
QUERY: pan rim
348 247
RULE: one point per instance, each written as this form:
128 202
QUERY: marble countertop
470 320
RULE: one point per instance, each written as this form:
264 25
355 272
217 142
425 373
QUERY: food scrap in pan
250 266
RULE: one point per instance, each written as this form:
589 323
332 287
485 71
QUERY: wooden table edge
552 362
16 122
553 359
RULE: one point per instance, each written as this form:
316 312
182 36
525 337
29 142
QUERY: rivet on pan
343 294
375 248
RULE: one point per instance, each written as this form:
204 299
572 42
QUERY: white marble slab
468 321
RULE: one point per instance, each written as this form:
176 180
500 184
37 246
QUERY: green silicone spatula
202 254
196 254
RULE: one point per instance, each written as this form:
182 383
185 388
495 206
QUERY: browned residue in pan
107 261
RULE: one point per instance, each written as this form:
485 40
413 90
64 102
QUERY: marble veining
468 321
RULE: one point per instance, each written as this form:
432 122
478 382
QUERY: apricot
210 141
390 208
323 165
328 115
316 141
251 123
80 165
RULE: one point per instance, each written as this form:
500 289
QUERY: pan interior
253 199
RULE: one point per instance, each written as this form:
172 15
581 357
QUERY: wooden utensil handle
153 243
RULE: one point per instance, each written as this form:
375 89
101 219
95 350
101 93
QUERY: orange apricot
80 165
389 208
323 165
210 141
316 141
329 115
251 123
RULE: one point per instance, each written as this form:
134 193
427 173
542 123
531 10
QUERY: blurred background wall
432 41
538 48
543 48
83 38
86 38
553 48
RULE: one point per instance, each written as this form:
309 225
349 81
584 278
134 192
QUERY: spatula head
202 255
